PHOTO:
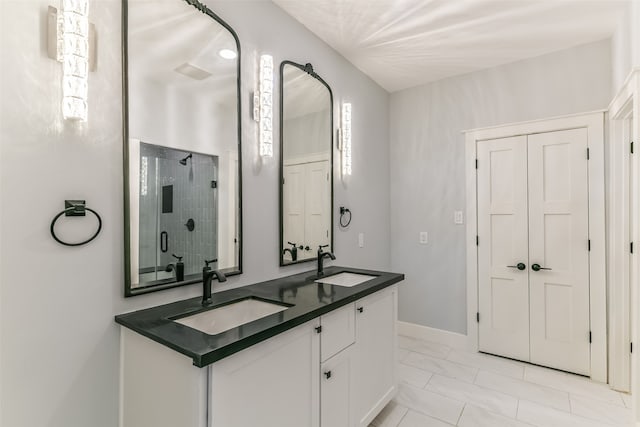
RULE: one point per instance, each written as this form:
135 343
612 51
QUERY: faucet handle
207 262
179 258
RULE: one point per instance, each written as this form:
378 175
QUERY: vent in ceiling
192 71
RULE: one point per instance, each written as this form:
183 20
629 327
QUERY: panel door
503 289
293 206
335 390
374 381
317 215
558 243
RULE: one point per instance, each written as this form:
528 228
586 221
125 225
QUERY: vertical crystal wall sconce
346 139
71 41
265 103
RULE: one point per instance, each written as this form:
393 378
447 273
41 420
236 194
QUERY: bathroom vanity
325 356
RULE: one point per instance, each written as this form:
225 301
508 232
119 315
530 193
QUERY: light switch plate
361 240
424 238
458 218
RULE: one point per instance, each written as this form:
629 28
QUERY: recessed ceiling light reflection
227 53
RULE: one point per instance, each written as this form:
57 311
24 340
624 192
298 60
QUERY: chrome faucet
321 256
207 277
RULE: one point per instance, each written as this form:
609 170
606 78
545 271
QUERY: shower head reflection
184 161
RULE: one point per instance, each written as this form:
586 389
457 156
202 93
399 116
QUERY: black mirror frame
128 291
307 68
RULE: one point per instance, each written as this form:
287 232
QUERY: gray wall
625 45
427 163
308 134
59 344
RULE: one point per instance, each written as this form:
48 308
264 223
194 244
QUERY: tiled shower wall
193 198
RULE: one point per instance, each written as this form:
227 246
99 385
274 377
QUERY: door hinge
478 317
587 154
476 163
318 329
631 247
631 147
631 347
282 181
589 245
477 241
589 336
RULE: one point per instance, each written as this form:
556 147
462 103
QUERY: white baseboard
451 339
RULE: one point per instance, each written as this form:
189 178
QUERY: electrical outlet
424 238
361 240
457 217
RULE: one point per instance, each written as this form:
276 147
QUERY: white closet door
293 206
558 243
317 216
503 291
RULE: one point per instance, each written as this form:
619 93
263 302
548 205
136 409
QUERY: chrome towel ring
75 208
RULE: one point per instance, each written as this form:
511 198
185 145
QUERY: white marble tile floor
441 387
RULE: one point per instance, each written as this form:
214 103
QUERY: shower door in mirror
306 163
178 213
182 144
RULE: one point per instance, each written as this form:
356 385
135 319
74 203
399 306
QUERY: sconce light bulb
266 105
346 139
74 43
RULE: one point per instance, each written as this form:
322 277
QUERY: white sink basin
346 279
230 316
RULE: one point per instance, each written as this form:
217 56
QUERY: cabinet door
271 384
374 380
335 390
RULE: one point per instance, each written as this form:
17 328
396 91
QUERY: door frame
594 123
623 227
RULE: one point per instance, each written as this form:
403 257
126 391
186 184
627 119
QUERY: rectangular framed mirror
306 164
182 162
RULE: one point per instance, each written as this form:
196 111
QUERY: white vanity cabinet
358 347
336 342
271 384
374 355
274 383
335 371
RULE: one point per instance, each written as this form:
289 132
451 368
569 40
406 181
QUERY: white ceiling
164 35
302 93
405 43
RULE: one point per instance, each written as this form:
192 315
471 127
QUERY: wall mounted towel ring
343 212
75 208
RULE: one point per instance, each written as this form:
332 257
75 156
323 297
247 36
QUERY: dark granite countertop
308 300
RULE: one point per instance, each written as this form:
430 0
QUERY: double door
306 201
533 249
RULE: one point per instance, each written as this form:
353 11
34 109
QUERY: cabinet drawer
338 331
